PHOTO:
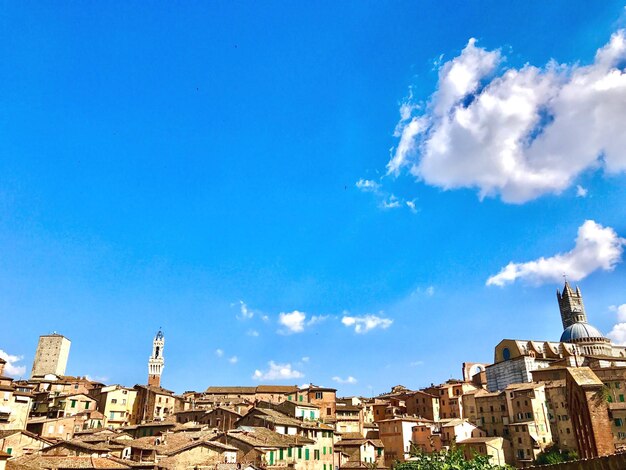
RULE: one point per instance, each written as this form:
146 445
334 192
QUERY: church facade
514 359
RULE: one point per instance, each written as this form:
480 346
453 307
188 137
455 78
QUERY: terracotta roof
276 389
55 462
238 390
263 437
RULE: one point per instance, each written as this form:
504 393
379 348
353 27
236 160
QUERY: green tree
553 455
452 459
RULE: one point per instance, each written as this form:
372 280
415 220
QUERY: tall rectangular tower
51 356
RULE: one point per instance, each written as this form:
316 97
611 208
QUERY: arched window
506 354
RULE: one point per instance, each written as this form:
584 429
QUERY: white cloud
517 133
254 333
366 323
245 312
277 372
97 378
265 318
597 247
305 359
293 322
315 319
219 352
430 291
233 360
390 202
411 205
368 186
11 368
347 380
621 312
618 334
580 191
416 363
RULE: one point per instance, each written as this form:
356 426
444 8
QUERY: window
306 454
299 452
379 451
280 454
316 454
289 452
289 397
112 415
506 354
621 398
113 400
329 411
9 450
324 450
301 397
318 395
86 405
617 385
618 422
73 403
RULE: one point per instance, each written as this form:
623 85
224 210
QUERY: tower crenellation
571 305
156 363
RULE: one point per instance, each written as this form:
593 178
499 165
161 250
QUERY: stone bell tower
156 361
571 305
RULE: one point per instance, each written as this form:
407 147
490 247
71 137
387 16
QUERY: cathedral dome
578 331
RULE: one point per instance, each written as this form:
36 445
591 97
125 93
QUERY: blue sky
208 167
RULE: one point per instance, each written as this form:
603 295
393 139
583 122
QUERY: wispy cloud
277 372
253 333
219 352
365 323
416 363
580 191
245 313
233 360
386 200
516 133
596 247
347 380
11 368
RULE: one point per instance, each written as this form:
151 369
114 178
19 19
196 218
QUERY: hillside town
535 396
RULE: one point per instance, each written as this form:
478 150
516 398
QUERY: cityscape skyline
274 198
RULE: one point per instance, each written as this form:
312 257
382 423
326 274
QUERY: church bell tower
156 361
571 305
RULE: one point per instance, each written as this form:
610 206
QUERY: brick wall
608 462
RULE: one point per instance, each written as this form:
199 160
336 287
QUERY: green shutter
300 397
73 403
289 452
306 454
271 457
621 398
299 452
312 414
324 450
280 455
9 450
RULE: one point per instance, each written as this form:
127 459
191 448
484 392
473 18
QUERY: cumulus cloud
277 372
11 368
315 319
366 323
233 360
219 352
596 247
347 380
618 333
517 133
292 322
